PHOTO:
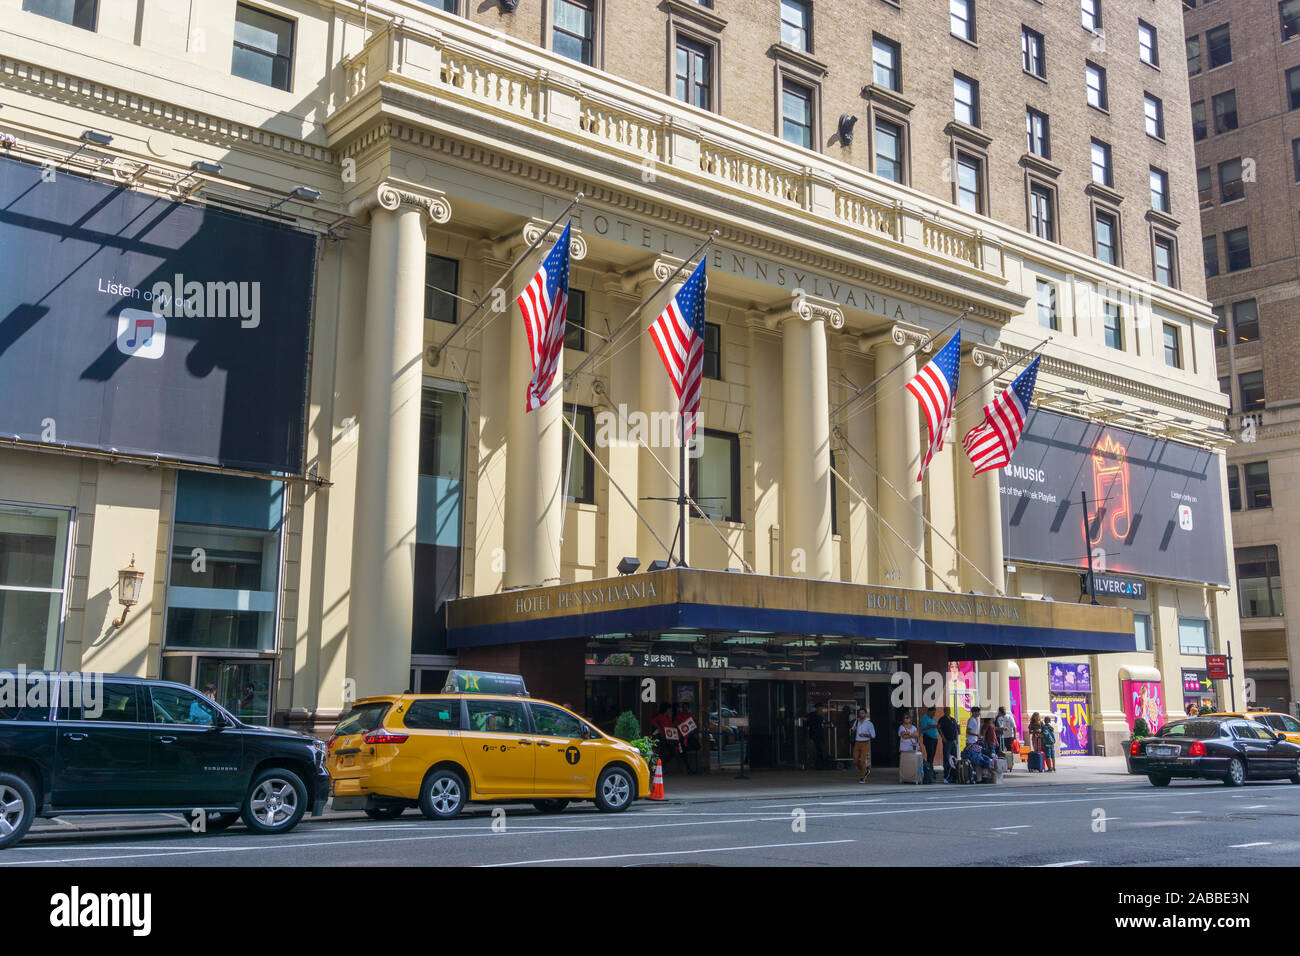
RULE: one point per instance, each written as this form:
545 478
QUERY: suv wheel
17 808
276 801
1236 775
615 789
213 822
443 795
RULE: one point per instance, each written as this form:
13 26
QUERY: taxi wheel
389 811
550 806
615 789
443 795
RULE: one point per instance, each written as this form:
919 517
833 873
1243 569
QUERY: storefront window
225 563
33 571
438 520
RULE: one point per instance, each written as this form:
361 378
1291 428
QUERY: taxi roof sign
484 682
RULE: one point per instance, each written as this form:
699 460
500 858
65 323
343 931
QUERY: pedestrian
816 724
909 735
948 730
929 736
989 736
1035 733
689 739
973 726
1191 709
1048 734
1006 728
863 732
665 734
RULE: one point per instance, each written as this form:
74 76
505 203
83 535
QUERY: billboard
1065 678
1155 506
133 323
1143 699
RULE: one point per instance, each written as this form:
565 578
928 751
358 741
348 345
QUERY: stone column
659 406
979 508
535 441
383 539
898 439
806 462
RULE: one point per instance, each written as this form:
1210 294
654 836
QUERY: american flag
935 387
992 443
545 305
678 334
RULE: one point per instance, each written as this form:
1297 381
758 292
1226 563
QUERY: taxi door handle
543 743
525 743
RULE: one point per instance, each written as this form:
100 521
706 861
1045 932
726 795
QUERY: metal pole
1232 691
681 494
1087 547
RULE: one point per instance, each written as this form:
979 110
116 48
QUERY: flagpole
681 492
435 351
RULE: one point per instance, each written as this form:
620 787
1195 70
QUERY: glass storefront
33 575
438 519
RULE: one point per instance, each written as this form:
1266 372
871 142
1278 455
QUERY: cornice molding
1037 164
694 11
798 58
972 134
1104 193
879 94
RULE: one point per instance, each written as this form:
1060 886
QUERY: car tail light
329 744
1133 748
383 737
1198 749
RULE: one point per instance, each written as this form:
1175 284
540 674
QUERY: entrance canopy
977 627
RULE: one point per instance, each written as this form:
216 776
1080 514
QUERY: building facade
860 179
1248 156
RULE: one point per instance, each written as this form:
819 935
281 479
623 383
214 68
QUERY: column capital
995 358
392 194
508 246
809 309
902 334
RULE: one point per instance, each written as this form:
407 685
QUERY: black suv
92 743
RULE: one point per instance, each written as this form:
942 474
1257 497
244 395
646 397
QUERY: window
438 514
441 277
447 6
835 515
796 114
1101 172
1237 244
1230 185
229 600
1193 636
1210 251
1225 111
552 722
1259 581
715 479
1288 11
575 321
1293 88
1112 324
1040 213
578 464
694 72
33 570
796 24
77 13
574 30
1258 494
1193 56
1199 129
1091 10
969 192
713 351
1148 45
889 157
884 60
1218 44
1204 187
1095 77
1155 115
1159 190
1245 320
1105 236
1221 342
1295 159
1047 314
1031 52
433 715
263 48
965 98
1037 133
496 716
961 19
1234 489
118 704
1250 385
1163 250
170 706
1142 632
1173 342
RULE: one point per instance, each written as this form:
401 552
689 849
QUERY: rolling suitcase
909 767
1035 764
965 771
927 773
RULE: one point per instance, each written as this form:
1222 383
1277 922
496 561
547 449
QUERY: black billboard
1155 506
134 323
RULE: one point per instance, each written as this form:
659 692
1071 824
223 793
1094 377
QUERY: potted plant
1140 729
628 728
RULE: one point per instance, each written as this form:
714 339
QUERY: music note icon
141 333
134 341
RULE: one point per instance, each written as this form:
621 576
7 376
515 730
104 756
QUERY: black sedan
1230 749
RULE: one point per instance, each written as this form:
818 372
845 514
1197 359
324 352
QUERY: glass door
728 723
788 706
243 687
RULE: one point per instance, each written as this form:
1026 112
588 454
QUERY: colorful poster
1065 678
961 681
1073 724
1015 708
1198 689
1144 699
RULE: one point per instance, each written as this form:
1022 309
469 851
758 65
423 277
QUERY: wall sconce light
130 580
302 193
846 124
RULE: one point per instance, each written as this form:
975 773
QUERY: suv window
497 716
113 702
28 698
362 720
433 715
172 706
554 722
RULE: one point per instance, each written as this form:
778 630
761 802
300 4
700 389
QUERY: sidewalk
700 788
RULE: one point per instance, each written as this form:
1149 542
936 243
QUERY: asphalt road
1128 823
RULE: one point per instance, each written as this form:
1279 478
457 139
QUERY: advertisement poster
1198 689
961 680
1015 708
1073 723
1069 678
1144 699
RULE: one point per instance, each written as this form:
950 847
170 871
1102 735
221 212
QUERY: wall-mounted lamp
846 124
303 193
130 580
658 565
95 138
628 565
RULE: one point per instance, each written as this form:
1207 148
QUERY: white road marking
1022 826
1245 846
1067 863
1255 806
628 856
1177 812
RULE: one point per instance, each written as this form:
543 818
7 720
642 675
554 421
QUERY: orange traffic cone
657 784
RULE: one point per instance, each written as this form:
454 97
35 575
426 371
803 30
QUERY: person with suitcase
909 751
1006 728
1048 734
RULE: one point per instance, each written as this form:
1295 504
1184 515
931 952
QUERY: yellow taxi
483 739
1283 724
